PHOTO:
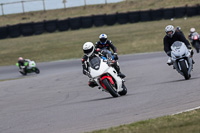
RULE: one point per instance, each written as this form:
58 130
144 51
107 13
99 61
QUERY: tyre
197 46
184 70
37 71
110 88
122 93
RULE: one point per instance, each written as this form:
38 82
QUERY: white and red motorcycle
106 77
195 41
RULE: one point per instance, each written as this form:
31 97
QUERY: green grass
129 5
128 38
188 122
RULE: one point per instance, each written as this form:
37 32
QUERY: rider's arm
84 65
167 48
183 39
112 47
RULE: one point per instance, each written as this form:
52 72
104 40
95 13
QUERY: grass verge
187 122
128 38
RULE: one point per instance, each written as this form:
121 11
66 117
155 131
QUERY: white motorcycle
181 58
106 77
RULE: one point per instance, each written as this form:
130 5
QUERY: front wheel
110 88
37 71
184 69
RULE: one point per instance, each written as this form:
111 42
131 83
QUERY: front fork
188 62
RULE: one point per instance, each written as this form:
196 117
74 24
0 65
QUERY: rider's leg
117 68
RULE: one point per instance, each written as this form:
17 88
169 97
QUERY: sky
49 4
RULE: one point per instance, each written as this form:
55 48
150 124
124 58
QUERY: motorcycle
28 67
181 58
195 40
106 77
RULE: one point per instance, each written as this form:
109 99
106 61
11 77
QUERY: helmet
20 59
103 38
170 30
192 30
88 48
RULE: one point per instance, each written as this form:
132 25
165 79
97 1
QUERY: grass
128 5
128 38
187 122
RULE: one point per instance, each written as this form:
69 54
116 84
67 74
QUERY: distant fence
22 4
36 28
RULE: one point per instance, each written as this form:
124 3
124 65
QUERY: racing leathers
168 41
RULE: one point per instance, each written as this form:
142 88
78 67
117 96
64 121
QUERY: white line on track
187 110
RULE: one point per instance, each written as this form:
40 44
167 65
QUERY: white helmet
192 30
88 48
103 38
170 28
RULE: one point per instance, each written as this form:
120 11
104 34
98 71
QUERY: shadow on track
175 81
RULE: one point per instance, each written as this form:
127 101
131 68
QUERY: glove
189 47
115 56
169 53
85 72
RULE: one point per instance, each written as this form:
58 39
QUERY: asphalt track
59 100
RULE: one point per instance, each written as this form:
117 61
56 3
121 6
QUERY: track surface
59 100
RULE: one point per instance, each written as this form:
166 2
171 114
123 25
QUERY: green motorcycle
29 67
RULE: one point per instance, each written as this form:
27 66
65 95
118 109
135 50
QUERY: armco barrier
168 13
86 22
63 25
38 28
134 17
50 26
179 12
3 32
27 29
14 30
99 20
145 15
75 23
156 14
111 19
122 18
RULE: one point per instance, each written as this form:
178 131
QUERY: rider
90 52
23 62
172 36
103 43
192 32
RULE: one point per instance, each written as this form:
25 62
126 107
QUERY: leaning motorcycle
29 67
195 42
106 77
181 58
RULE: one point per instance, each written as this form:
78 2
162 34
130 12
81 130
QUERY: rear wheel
184 69
122 93
110 88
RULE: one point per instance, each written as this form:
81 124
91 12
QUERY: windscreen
95 63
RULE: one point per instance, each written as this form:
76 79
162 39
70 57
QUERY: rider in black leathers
103 43
172 36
